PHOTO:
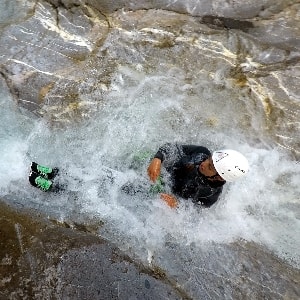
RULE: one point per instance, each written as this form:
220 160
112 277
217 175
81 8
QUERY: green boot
44 171
40 182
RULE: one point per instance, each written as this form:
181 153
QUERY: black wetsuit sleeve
164 151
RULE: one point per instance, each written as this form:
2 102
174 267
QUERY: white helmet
230 164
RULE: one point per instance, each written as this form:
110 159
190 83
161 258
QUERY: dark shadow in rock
226 23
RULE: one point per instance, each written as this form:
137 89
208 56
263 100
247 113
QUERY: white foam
140 113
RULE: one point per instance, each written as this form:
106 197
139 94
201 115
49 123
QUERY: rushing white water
140 113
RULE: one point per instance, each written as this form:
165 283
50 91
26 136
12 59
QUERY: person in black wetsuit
196 173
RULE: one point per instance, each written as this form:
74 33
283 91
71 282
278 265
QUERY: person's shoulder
205 150
198 148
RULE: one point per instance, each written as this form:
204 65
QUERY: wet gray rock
40 260
46 260
59 62
10 13
242 9
47 48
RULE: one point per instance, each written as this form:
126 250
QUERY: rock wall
42 260
230 9
45 260
60 59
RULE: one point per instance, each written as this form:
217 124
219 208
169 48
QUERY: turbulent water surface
142 107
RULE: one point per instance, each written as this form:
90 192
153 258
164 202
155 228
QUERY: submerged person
196 173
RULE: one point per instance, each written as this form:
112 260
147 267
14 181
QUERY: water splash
140 113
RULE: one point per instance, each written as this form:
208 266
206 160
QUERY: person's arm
154 169
169 199
164 152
